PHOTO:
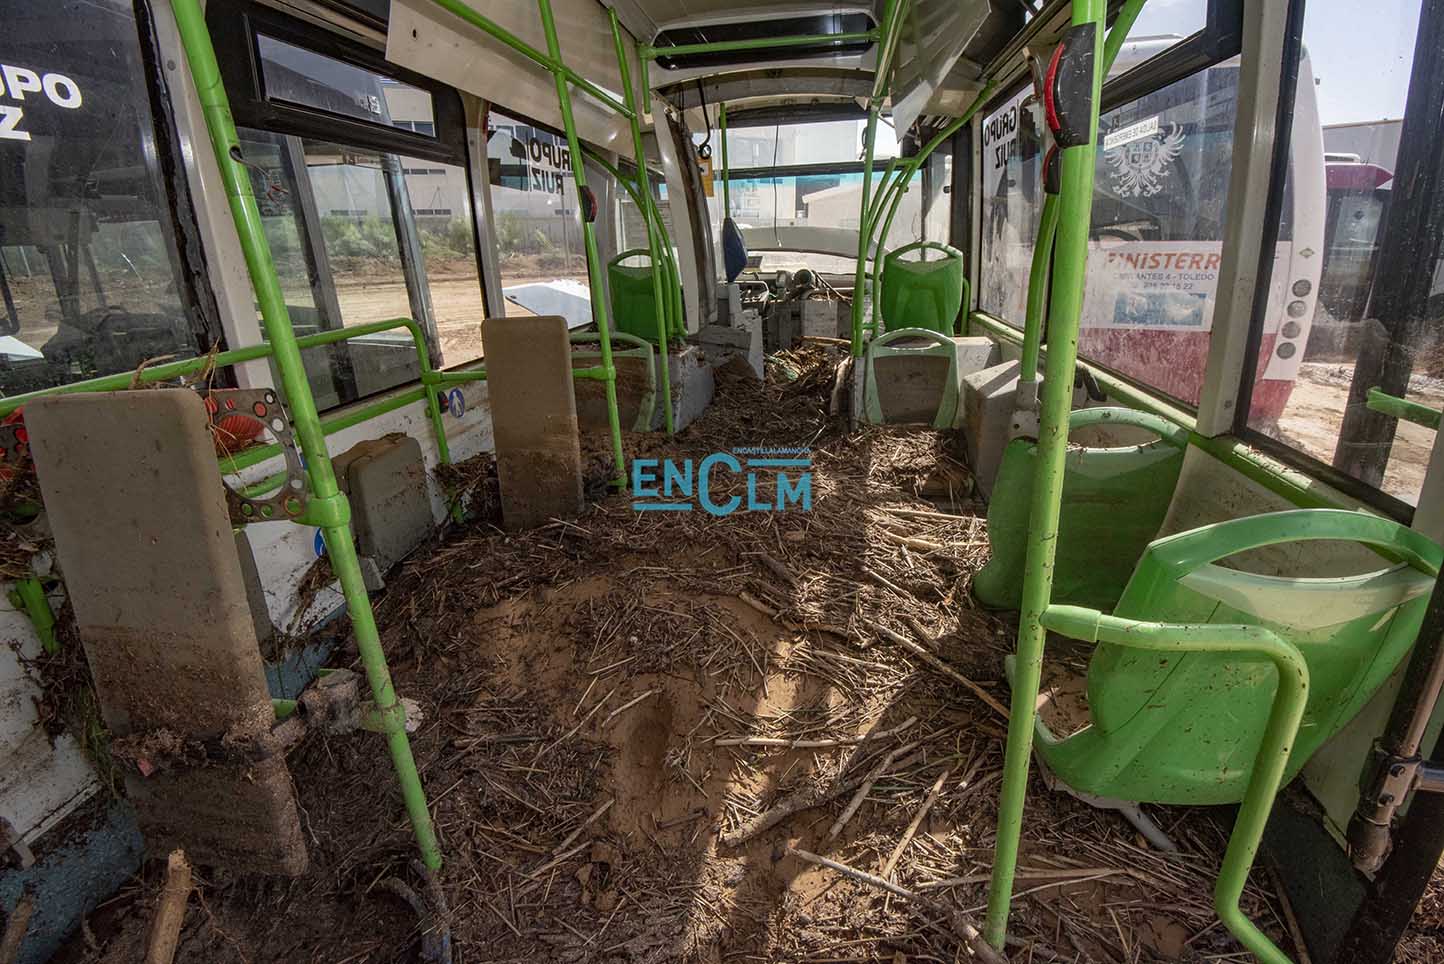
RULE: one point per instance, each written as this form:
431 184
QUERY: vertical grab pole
1070 272
1037 300
860 274
1047 231
589 236
722 134
629 97
674 284
887 45
328 505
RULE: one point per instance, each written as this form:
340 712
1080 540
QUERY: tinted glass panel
88 267
1157 237
1012 202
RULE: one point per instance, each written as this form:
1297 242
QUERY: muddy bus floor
630 718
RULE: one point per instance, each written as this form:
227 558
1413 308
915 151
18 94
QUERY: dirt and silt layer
614 704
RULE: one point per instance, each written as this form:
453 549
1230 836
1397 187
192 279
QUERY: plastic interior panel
893 344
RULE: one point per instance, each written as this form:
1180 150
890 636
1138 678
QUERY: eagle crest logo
1140 166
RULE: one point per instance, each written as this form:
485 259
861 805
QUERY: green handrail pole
891 194
29 595
722 136
1118 33
887 38
663 333
884 183
1070 272
674 284
759 43
859 274
1403 408
1037 301
552 64
1047 229
1285 716
326 498
900 191
589 236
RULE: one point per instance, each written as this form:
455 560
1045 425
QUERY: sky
1361 50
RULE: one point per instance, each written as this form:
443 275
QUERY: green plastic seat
1185 727
1114 501
924 383
923 294
634 309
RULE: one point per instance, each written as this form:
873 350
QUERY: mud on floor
616 706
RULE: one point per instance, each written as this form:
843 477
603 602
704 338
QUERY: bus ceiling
812 50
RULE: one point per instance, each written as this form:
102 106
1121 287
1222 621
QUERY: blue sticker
320 544
456 403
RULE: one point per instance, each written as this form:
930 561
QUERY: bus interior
647 481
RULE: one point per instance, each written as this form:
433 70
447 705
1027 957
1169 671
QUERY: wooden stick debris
799 744
559 859
937 664
864 789
573 731
913 542
170 914
795 803
15 929
908 834
627 706
778 569
596 815
959 923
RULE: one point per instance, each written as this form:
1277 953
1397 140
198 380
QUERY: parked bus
1157 236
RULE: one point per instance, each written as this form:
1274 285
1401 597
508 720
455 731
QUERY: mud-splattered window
1156 244
1010 204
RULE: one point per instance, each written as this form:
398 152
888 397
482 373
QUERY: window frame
1357 489
1220 39
242 73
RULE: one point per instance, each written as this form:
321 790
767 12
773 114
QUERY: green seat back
1114 501
922 294
1186 729
634 309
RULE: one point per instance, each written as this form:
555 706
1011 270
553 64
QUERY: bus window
1157 232
89 269
632 229
1349 333
537 223
1012 203
334 216
796 190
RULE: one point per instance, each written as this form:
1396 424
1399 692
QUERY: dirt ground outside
1315 413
